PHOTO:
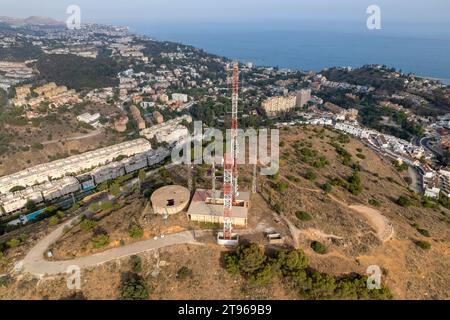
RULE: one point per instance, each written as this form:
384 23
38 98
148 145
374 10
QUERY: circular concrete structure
170 199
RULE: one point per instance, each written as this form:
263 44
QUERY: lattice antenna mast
230 183
234 127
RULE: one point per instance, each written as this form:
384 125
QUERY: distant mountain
33 20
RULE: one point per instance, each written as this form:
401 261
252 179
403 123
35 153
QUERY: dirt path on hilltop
385 230
383 227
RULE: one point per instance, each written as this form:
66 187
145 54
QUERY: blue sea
423 50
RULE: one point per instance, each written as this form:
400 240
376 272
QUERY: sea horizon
314 47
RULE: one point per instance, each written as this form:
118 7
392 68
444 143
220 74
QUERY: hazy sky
173 11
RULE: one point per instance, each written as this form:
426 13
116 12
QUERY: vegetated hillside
399 126
365 76
4 136
372 115
155 48
4 139
352 209
27 143
3 98
20 53
208 64
78 72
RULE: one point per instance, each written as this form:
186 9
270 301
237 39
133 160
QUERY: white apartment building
72 165
172 134
180 97
172 124
49 190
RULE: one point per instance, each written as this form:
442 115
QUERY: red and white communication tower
230 177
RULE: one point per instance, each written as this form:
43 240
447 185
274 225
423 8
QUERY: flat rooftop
207 194
200 206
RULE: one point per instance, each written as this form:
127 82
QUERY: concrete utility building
170 199
208 208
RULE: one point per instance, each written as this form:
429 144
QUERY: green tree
319 247
106 205
88 225
423 244
323 286
404 201
354 183
231 262
136 231
281 186
100 240
262 276
291 261
303 215
424 232
37 146
51 210
31 205
136 263
23 237
134 289
374 202
326 187
251 258
13 243
114 189
95 207
311 175
346 289
53 221
184 273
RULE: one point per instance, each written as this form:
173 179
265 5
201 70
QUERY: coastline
309 53
442 80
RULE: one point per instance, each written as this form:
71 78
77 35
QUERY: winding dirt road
382 225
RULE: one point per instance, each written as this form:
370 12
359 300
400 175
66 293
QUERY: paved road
35 263
415 141
425 142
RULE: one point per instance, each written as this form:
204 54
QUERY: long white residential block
71 166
